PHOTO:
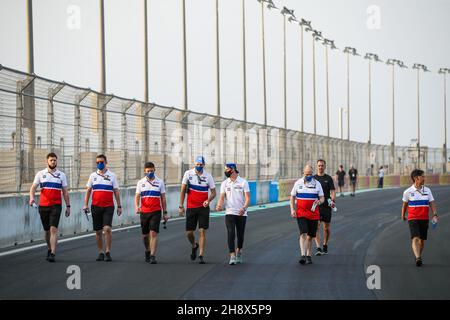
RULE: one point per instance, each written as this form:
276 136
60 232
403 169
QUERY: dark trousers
235 224
380 182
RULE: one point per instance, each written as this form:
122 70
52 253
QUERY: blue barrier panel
253 193
273 191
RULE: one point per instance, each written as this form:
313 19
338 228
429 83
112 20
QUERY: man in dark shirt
340 177
327 184
353 175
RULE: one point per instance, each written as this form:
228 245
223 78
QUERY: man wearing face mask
197 183
102 184
308 195
237 192
151 192
52 183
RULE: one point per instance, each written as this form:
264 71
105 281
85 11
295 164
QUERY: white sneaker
239 258
232 260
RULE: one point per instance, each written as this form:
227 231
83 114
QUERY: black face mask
228 174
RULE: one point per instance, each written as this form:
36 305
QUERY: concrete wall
20 223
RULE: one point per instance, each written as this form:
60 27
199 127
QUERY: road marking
213 215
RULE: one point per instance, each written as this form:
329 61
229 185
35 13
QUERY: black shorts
197 215
325 214
150 222
50 216
352 182
102 216
341 183
308 226
418 229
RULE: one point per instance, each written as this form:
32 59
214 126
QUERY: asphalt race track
366 230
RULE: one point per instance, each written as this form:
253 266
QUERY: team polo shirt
418 202
51 185
150 192
234 192
305 194
199 186
103 186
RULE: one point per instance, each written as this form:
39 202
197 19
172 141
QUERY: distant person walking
340 177
380 177
353 175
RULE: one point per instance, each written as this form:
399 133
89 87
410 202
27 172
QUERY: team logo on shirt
228 189
143 185
44 176
190 178
95 179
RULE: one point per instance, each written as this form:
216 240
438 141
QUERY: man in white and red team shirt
151 192
197 183
418 199
102 184
307 193
52 183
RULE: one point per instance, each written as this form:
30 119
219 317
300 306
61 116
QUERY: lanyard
55 176
103 176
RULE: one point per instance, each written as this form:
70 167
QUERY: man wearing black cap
197 183
237 192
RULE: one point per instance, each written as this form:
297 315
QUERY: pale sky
67 47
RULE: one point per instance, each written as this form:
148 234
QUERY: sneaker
319 252
308 260
232 260
153 260
418 262
108 257
194 252
239 258
302 260
51 258
342 195
147 256
201 260
325 249
48 254
101 257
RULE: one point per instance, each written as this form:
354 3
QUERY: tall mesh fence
38 115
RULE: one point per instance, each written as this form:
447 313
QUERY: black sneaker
153 260
194 252
325 249
319 252
108 257
201 260
101 257
48 254
308 260
51 258
302 260
418 262
147 256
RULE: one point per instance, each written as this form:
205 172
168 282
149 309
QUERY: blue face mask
308 178
100 165
199 169
150 175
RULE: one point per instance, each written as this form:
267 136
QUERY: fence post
19 137
124 126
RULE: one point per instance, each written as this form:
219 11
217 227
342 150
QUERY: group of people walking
312 202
